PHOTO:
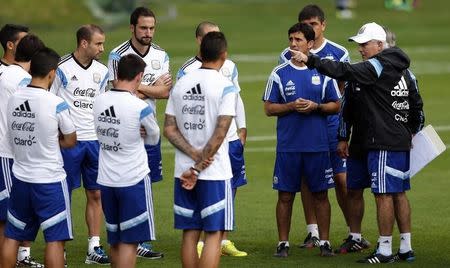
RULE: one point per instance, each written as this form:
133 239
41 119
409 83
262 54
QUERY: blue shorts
34 205
389 171
358 176
129 213
236 153
6 179
292 167
155 161
81 161
207 207
338 164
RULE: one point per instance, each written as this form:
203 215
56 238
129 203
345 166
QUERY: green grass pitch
257 33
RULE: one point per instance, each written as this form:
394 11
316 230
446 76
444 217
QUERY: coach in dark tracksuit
386 115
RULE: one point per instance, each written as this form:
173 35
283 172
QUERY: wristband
195 171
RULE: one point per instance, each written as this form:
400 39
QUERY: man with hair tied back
203 197
383 111
80 79
237 134
39 124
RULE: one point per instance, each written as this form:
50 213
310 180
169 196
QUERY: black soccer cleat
310 242
376 258
349 246
326 250
407 256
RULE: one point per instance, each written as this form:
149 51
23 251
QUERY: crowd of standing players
53 135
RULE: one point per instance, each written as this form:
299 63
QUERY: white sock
280 242
23 253
356 236
322 242
313 229
224 242
405 242
385 245
93 241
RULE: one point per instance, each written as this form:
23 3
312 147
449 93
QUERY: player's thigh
186 212
52 206
287 172
6 180
89 168
73 159
358 176
317 171
154 157
215 202
389 171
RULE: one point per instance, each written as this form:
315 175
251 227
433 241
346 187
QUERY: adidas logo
23 110
195 94
74 78
290 83
109 116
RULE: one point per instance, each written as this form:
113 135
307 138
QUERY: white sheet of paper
427 145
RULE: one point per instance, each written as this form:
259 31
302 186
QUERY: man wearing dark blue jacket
387 113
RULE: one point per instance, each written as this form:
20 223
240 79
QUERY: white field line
250 149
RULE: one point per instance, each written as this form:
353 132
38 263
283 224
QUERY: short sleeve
65 123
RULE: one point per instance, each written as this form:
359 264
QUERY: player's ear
324 25
10 45
310 44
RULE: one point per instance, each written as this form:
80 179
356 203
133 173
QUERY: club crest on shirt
315 80
155 64
226 72
97 78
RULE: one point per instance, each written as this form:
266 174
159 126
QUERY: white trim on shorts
229 221
65 189
149 204
54 220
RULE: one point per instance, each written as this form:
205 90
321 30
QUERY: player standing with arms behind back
203 197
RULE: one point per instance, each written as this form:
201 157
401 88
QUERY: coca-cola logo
25 126
108 132
401 105
197 109
90 92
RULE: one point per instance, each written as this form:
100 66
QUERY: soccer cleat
326 250
310 242
229 249
200 245
282 251
97 256
145 250
350 245
366 244
377 258
407 256
29 262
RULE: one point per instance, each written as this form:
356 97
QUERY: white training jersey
119 116
12 77
35 117
79 86
3 65
156 60
196 101
229 71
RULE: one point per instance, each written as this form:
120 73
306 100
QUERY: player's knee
320 196
286 197
93 196
355 195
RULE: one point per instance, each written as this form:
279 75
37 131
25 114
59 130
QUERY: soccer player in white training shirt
123 170
39 124
203 197
12 77
236 135
80 79
155 84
